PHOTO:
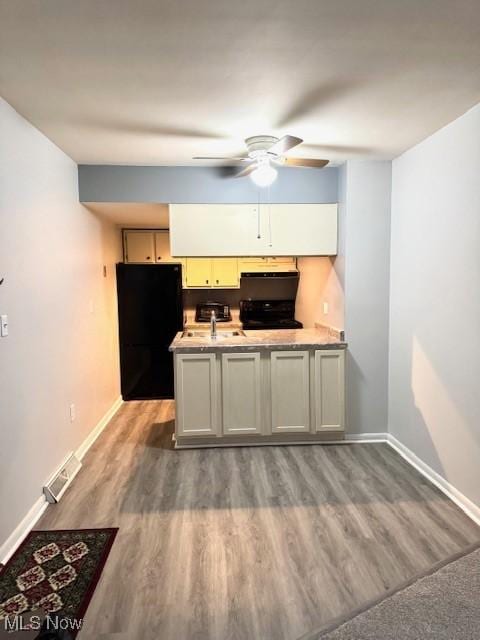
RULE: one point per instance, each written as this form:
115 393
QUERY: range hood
268 285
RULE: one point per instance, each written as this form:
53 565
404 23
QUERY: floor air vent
55 489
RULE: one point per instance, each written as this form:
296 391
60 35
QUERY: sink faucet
213 325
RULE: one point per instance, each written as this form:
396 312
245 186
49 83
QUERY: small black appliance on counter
268 314
203 312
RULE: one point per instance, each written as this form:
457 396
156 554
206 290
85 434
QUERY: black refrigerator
150 312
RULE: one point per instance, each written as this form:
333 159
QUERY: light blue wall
365 198
434 366
111 183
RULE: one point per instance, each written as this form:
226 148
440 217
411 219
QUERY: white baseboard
96 431
21 531
15 539
365 437
470 508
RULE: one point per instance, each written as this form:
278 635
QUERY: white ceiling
158 81
133 214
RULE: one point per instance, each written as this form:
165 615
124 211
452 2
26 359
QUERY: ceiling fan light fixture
264 175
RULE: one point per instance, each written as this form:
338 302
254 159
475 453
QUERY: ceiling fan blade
247 171
305 162
284 144
239 159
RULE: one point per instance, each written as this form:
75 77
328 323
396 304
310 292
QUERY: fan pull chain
259 235
269 218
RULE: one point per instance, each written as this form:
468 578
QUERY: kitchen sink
220 334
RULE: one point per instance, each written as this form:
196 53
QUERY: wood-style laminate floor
260 543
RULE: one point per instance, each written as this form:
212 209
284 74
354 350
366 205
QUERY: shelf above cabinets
198 230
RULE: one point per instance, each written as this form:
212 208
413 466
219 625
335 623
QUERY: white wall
434 391
365 198
319 283
322 279
62 346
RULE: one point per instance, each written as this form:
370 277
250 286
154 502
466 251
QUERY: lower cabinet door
330 390
290 391
241 393
196 394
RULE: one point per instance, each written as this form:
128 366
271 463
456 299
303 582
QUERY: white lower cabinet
196 394
241 393
290 391
254 395
329 390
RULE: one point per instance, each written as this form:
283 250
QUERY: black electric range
268 314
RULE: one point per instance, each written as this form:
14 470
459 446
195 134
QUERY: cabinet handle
217 281
206 281
148 258
159 257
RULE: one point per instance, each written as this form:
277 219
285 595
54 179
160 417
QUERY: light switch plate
4 326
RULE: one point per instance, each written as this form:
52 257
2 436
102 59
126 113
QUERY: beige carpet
443 605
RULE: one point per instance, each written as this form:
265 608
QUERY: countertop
266 340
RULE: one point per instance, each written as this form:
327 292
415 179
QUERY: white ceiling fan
264 154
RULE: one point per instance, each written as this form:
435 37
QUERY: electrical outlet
4 326
72 412
325 308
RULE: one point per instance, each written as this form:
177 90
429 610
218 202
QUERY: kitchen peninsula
259 387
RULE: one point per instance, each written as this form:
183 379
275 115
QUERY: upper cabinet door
199 272
212 229
162 247
299 229
139 246
225 273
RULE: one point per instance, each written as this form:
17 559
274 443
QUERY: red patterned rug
55 572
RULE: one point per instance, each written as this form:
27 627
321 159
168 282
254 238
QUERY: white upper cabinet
233 230
298 230
211 230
